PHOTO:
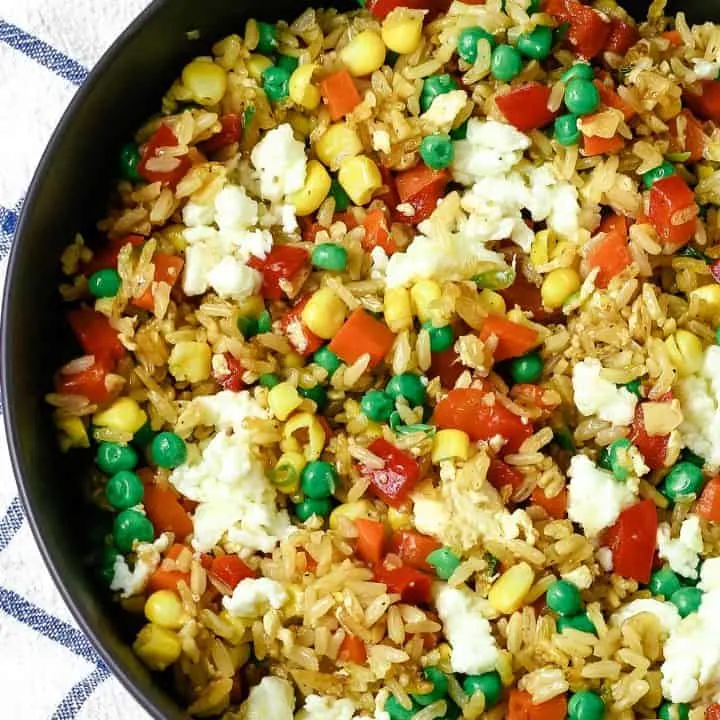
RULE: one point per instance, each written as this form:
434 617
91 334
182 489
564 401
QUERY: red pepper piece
89 383
340 94
230 132
526 107
501 474
622 36
420 187
447 366
163 138
232 379
713 712
707 104
611 254
708 505
381 8
394 482
610 98
589 30
165 512
413 548
652 448
107 256
361 334
280 265
687 135
526 296
96 336
513 339
371 540
229 570
377 233
555 507
167 270
166 580
520 707
352 649
303 340
413 586
673 211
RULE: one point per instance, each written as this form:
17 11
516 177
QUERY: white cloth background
48 669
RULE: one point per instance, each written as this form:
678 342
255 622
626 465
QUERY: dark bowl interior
67 196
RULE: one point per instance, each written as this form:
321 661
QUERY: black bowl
67 196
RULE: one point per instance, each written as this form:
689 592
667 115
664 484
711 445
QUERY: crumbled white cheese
379 263
252 597
596 396
281 163
604 558
666 613
706 69
581 577
683 552
699 396
443 110
473 647
147 558
318 707
237 504
595 497
232 278
710 575
273 698
381 141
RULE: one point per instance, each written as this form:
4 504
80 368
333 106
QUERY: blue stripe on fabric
11 522
79 693
51 627
43 53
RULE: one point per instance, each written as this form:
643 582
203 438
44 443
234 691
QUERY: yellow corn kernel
305 421
686 352
402 30
324 314
292 361
205 81
286 473
561 248
491 301
190 361
124 415
424 295
237 634
709 301
300 88
364 54
256 65
542 247
360 178
509 590
73 433
449 444
350 511
302 125
251 306
283 399
398 309
157 647
165 609
290 444
337 143
558 286
705 171
316 188
399 520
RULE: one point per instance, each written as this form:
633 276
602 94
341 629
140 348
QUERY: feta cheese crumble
147 558
252 597
595 497
318 707
596 396
273 698
280 162
683 552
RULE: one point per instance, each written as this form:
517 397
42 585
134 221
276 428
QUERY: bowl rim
95 75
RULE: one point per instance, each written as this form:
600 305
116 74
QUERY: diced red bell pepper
394 482
166 580
420 187
413 586
632 541
652 448
708 505
673 211
446 365
165 512
622 36
163 138
482 417
229 570
610 98
687 136
520 707
167 270
89 383
413 548
526 296
501 474
352 649
611 254
279 267
526 107
377 233
712 712
371 540
361 334
381 8
107 256
96 336
707 104
303 340
513 339
555 507
589 30
595 145
230 132
232 379
673 37
340 94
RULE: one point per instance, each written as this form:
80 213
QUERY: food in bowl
400 367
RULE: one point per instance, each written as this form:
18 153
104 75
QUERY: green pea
674 711
316 393
106 564
329 256
113 457
664 582
440 687
495 279
318 480
143 437
269 380
342 199
408 386
580 622
604 459
445 562
124 490
168 450
586 705
664 170
468 40
619 458
687 600
129 162
683 480
441 338
129 526
536 44
433 86
563 437
687 455
327 359
534 7
248 326
634 387
567 131
526 368
460 132
564 598
580 70
267 38
506 63
397 712
581 97
248 116
288 62
717 336
104 283
312 506
489 684
376 405
437 151
264 322
275 83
